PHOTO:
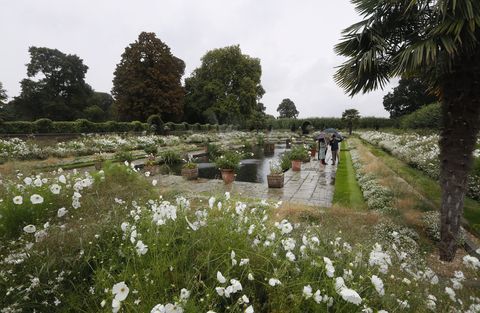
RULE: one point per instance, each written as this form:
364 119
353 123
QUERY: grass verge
347 192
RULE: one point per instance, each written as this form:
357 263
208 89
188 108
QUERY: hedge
43 126
330 122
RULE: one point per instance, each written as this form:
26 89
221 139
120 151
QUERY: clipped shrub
137 126
196 126
186 126
150 149
169 126
179 127
205 127
44 125
124 155
428 116
84 126
156 123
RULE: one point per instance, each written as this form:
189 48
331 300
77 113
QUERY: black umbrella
334 131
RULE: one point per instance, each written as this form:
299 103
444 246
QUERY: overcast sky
293 39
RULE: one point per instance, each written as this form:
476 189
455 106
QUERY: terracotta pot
275 180
98 165
228 175
190 173
296 165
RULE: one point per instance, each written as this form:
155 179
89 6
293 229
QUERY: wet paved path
313 185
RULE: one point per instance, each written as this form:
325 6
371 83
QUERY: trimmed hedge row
429 116
331 122
46 126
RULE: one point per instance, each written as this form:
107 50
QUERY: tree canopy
225 89
147 81
3 94
439 41
350 116
410 95
287 109
55 87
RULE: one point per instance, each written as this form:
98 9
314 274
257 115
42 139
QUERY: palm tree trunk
460 126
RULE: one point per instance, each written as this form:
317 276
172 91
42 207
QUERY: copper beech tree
437 40
147 81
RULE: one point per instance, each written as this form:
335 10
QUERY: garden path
313 185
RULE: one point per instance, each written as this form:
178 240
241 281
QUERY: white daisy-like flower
378 284
30 229
36 199
221 279
307 291
120 291
351 296
274 282
249 309
55 189
18 199
141 248
61 212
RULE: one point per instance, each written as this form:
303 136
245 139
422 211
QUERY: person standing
334 148
322 150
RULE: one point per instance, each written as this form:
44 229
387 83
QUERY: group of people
323 143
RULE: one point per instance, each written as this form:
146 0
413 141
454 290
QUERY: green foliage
3 95
150 149
155 121
229 160
286 161
147 81
299 153
214 151
350 116
429 116
124 155
61 94
94 113
331 122
224 89
410 95
170 157
44 125
287 109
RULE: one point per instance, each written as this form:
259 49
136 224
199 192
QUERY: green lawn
425 185
347 192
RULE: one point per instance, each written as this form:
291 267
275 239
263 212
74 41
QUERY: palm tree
350 116
439 41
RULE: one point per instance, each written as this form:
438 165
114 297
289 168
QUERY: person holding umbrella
334 148
322 148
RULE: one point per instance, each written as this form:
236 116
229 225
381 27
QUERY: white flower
250 276
38 182
235 285
36 199
290 256
221 279
142 248
120 291
244 262
116 305
329 267
55 189
307 291
62 179
227 195
378 284
18 200
273 282
184 294
351 296
61 212
245 299
449 291
211 202
220 291
30 229
249 309
154 182
317 296
147 174
469 261
27 181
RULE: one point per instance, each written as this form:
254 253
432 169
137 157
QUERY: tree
3 95
147 81
350 116
59 92
410 95
225 89
287 109
437 40
100 107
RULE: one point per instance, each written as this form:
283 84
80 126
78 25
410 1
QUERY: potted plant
190 170
276 178
313 149
99 159
298 154
228 163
